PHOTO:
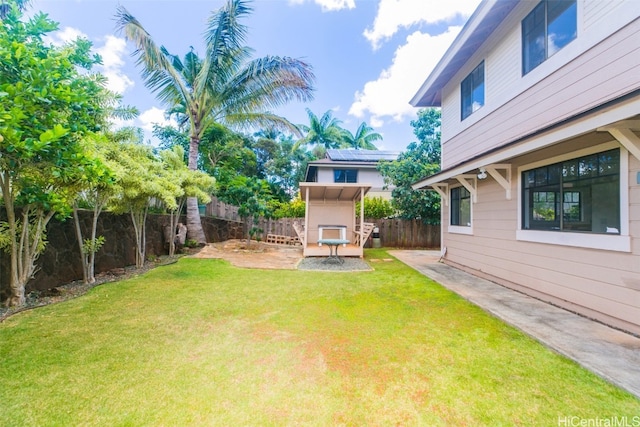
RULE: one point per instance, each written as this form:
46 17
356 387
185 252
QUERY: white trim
470 182
620 243
443 190
504 181
580 240
623 132
460 229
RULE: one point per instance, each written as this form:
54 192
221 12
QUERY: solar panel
361 155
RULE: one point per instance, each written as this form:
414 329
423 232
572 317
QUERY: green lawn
201 342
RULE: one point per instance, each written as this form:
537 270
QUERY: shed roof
333 191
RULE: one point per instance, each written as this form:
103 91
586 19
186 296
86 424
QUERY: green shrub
293 209
376 208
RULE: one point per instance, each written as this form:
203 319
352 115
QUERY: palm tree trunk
194 223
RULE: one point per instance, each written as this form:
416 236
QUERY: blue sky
369 56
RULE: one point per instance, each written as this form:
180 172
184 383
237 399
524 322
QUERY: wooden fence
393 233
222 210
408 233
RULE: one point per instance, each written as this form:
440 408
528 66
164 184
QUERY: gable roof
485 19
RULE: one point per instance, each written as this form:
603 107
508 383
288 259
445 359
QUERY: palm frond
263 120
225 38
158 70
268 83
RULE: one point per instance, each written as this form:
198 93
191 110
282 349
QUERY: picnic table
333 249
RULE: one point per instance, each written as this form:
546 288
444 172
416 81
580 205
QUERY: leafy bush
376 208
293 209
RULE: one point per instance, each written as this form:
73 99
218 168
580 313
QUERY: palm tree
363 139
5 6
324 131
225 86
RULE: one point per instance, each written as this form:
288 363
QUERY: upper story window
472 91
460 207
550 26
345 175
580 195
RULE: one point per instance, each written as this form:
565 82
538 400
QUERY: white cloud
395 14
329 5
66 35
112 52
150 117
389 95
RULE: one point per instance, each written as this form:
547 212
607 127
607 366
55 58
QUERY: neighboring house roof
356 159
485 19
361 155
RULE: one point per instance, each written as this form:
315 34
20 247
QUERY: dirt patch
256 255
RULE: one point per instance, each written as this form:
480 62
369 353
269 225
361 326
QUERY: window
577 195
460 207
550 26
345 175
472 90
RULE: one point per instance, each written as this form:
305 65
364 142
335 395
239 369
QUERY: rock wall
60 262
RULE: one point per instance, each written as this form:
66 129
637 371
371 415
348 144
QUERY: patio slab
612 354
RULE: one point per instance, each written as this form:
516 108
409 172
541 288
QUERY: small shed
331 213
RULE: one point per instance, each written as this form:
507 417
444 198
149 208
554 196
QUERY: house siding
601 284
596 11
369 176
593 73
556 111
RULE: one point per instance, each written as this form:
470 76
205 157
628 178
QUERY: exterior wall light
482 174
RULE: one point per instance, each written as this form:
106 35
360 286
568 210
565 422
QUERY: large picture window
472 90
345 175
577 195
460 207
550 26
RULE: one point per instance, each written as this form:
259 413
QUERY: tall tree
96 189
322 131
190 183
46 105
421 159
284 166
140 178
224 86
363 138
252 196
94 194
6 5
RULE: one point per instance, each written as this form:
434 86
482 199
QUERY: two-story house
540 178
345 165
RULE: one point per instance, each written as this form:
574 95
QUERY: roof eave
484 20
